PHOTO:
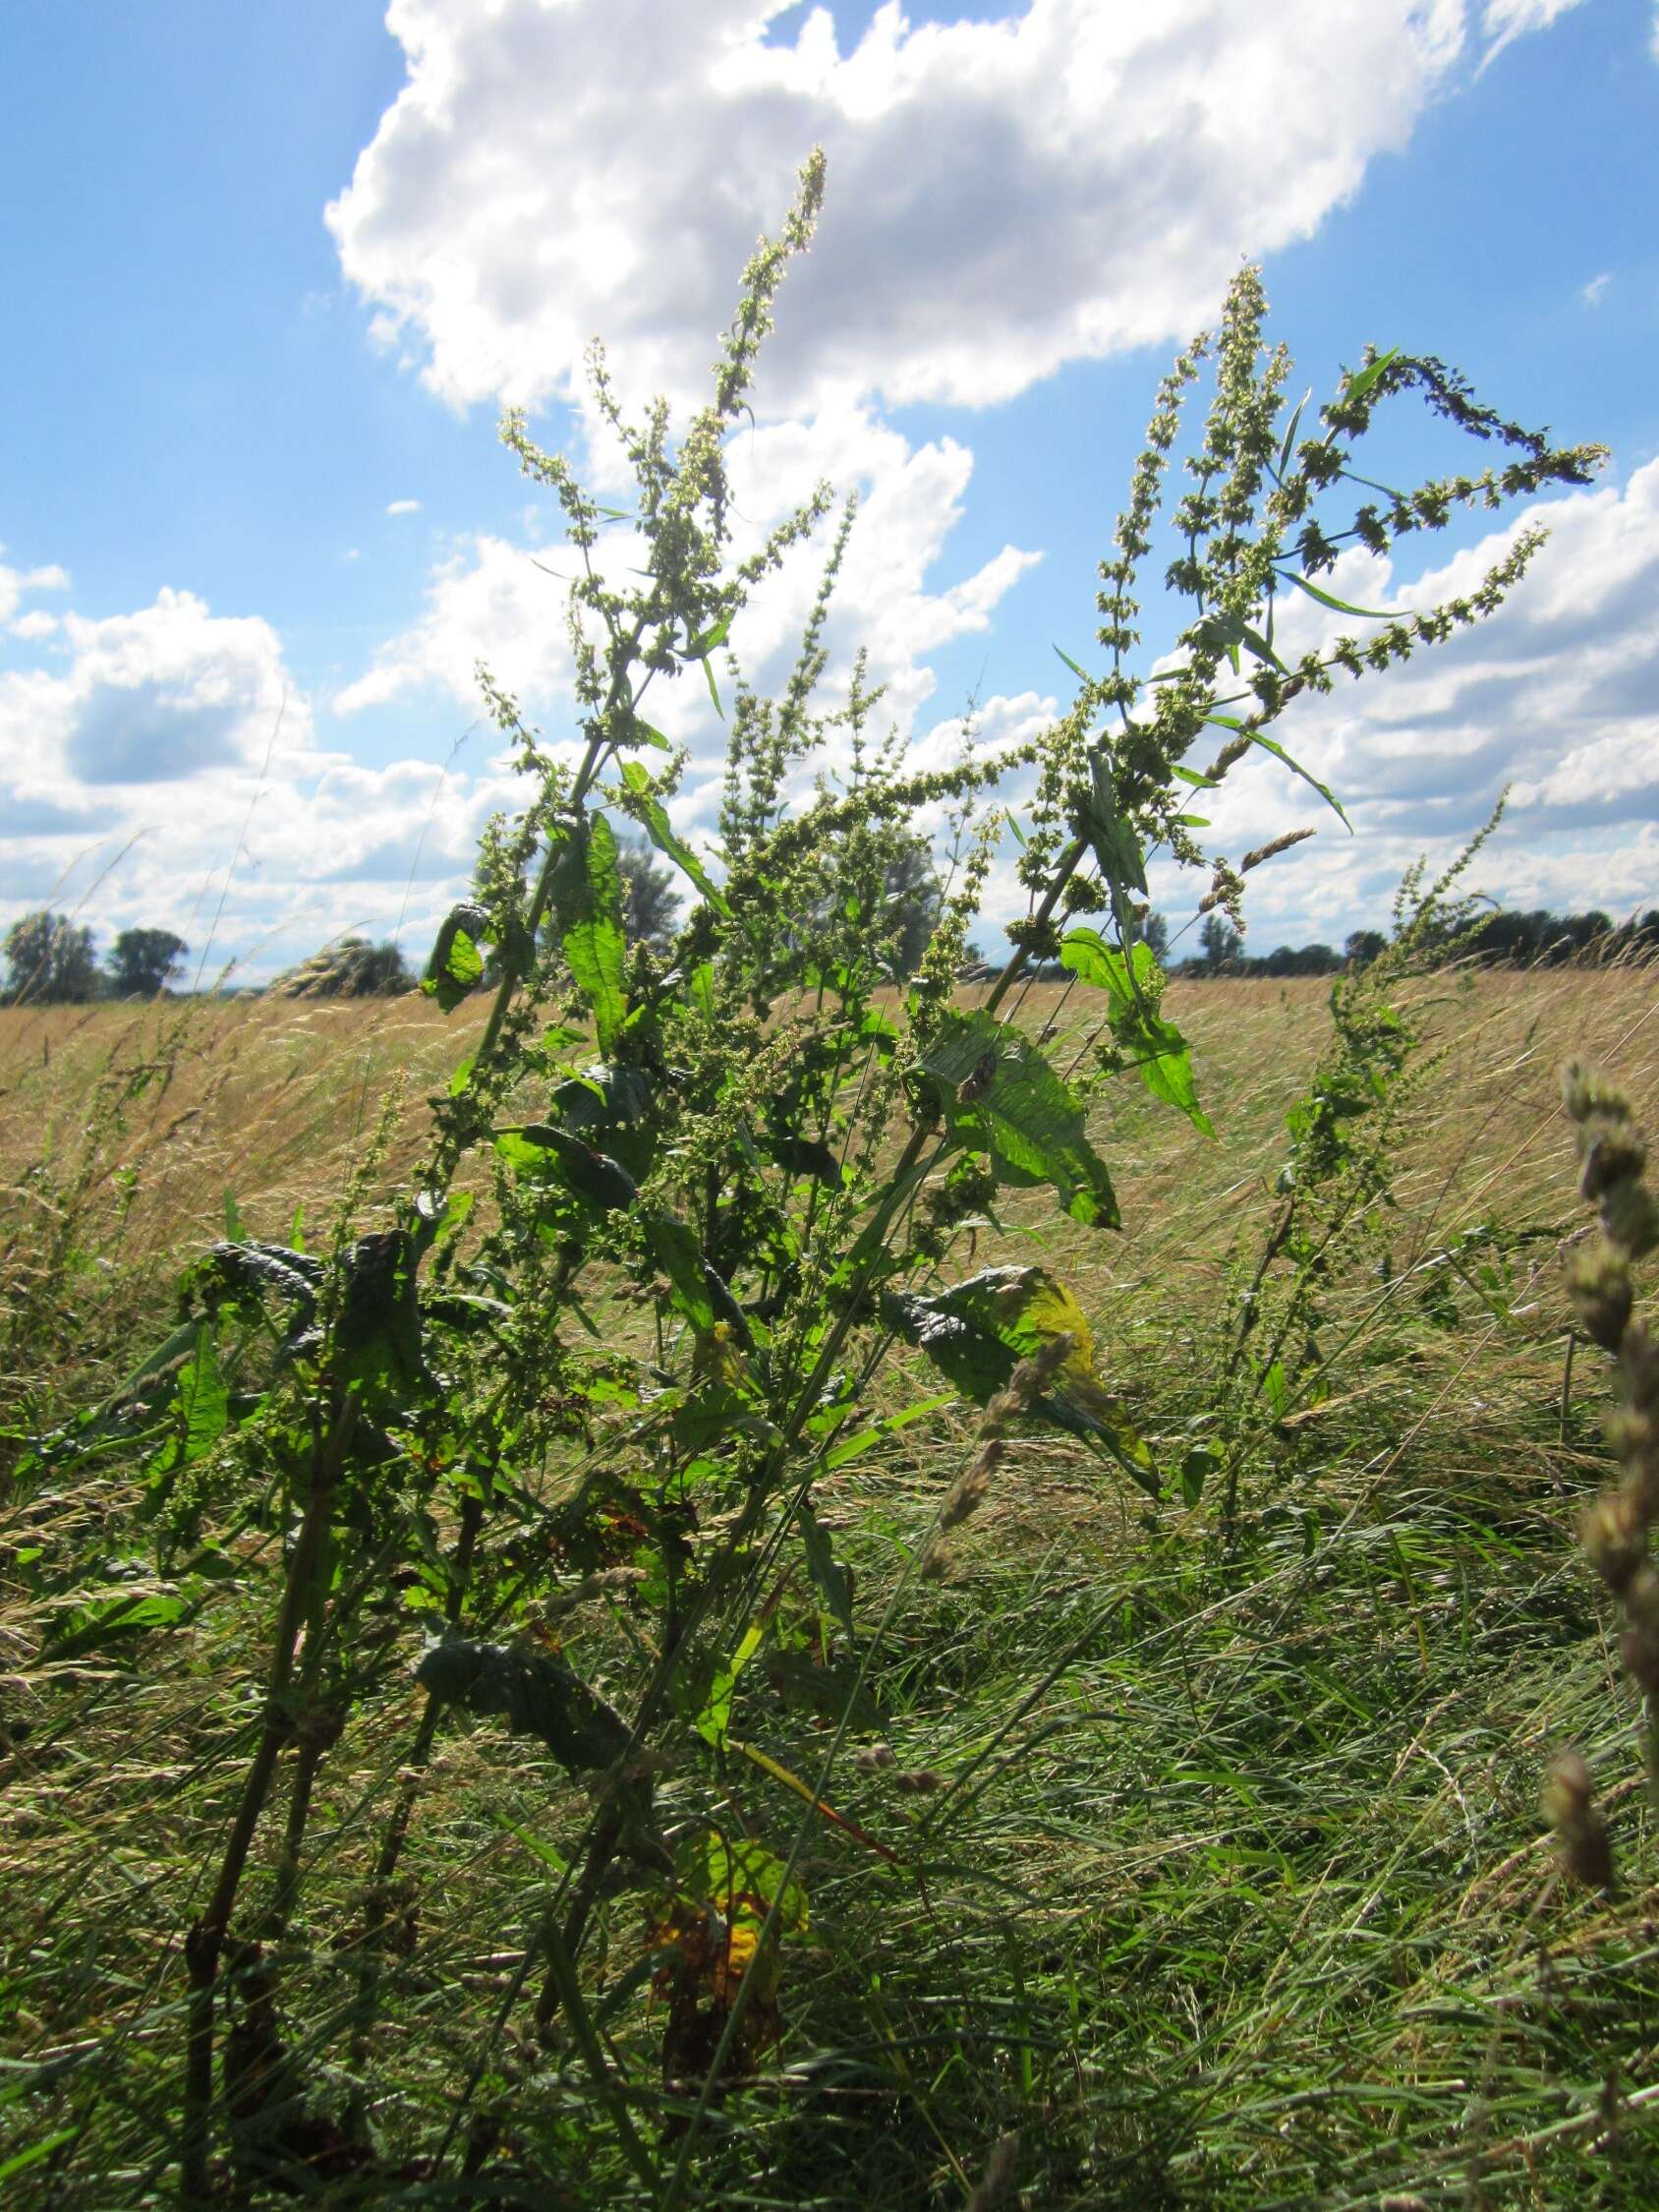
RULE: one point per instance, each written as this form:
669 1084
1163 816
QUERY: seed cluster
1617 1527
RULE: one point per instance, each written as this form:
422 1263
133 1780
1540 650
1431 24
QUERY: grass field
1232 1890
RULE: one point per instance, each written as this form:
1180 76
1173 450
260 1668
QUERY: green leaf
741 1879
90 1626
1199 1463
1272 746
533 1692
1358 385
204 1398
554 1156
37 2153
830 1578
712 1721
640 732
1291 433
678 1254
977 1333
456 967
1260 647
1002 1097
1327 599
1157 1047
1082 674
588 908
376 1338
648 810
700 648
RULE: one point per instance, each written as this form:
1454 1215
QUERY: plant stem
204 1942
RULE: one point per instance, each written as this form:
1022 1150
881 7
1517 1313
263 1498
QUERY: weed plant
468 1654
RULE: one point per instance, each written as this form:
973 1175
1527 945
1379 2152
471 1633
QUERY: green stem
204 1942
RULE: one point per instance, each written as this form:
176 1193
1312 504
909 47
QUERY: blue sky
278 268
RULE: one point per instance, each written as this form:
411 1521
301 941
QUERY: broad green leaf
977 1333
1197 1465
588 909
1157 1047
700 648
1002 1097
456 967
531 1690
649 812
1327 599
640 732
741 1881
553 1154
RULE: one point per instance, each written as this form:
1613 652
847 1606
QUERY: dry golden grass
1258 1845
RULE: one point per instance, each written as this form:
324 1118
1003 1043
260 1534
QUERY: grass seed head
1580 1830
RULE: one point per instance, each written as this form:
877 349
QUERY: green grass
1235 1892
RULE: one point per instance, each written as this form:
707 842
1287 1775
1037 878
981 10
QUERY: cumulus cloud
167 760
1554 697
487 600
1055 184
403 506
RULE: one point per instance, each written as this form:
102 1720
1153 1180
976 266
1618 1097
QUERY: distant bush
350 967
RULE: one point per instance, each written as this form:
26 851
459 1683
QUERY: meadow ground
1236 1891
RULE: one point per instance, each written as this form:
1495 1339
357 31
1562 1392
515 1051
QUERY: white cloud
1596 287
487 600
1506 21
403 506
1004 195
16 584
167 758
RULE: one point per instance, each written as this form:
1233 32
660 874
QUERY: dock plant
689 1236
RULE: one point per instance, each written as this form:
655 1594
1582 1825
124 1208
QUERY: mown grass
1232 1891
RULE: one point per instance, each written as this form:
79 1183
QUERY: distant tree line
1503 940
52 959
